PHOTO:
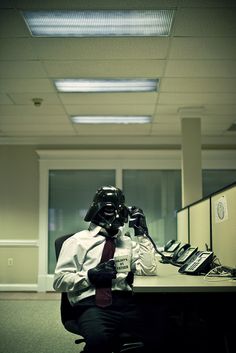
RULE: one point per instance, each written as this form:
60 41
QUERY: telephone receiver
183 256
168 251
171 245
180 251
131 220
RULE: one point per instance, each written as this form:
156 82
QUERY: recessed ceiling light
111 119
72 23
107 85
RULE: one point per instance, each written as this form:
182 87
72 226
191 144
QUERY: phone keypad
197 262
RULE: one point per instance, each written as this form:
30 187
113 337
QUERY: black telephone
182 254
169 250
199 263
179 251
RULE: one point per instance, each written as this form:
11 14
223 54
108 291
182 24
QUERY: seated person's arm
144 261
69 275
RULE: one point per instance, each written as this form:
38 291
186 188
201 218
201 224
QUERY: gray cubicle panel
223 206
182 225
200 224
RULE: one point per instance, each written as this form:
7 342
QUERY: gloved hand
138 221
102 274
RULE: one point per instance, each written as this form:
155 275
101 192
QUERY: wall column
191 163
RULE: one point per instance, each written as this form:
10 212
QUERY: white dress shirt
83 251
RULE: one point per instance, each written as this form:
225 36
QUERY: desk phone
186 255
198 264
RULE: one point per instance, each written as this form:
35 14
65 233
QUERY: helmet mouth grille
109 210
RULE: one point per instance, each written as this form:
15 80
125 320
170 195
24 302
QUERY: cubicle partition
223 217
183 225
210 223
200 224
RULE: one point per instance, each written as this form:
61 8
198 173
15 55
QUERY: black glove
138 221
102 274
130 278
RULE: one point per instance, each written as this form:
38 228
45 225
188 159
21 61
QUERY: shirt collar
94 230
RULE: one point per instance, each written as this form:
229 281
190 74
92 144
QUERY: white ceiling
196 66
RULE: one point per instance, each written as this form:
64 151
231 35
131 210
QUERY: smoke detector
37 101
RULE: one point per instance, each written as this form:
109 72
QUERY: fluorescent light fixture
107 85
102 23
111 119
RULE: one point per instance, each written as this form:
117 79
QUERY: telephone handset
199 263
169 250
171 245
179 252
183 257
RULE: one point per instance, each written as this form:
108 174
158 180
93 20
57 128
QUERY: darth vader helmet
108 209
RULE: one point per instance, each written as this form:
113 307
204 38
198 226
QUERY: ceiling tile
165 129
101 48
22 69
26 98
37 129
213 129
206 118
105 68
203 48
205 85
17 49
216 22
7 4
4 99
12 24
108 98
206 3
107 109
220 109
107 129
197 98
201 68
26 86
32 120
24 110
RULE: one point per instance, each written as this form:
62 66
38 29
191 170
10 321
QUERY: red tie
104 295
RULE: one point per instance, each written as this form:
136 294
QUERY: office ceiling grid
196 66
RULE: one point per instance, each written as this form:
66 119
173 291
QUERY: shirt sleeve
69 275
144 259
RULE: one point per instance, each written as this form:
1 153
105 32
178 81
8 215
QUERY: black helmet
108 209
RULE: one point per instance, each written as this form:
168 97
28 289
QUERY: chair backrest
58 243
67 312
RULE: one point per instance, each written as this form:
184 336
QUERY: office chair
127 343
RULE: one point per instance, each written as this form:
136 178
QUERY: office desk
190 309
169 280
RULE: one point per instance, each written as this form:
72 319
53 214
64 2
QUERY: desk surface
170 280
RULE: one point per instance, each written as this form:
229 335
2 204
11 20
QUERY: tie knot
108 250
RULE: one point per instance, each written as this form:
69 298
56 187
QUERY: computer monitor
223 206
183 225
200 224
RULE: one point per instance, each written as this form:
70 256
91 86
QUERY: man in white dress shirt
99 285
